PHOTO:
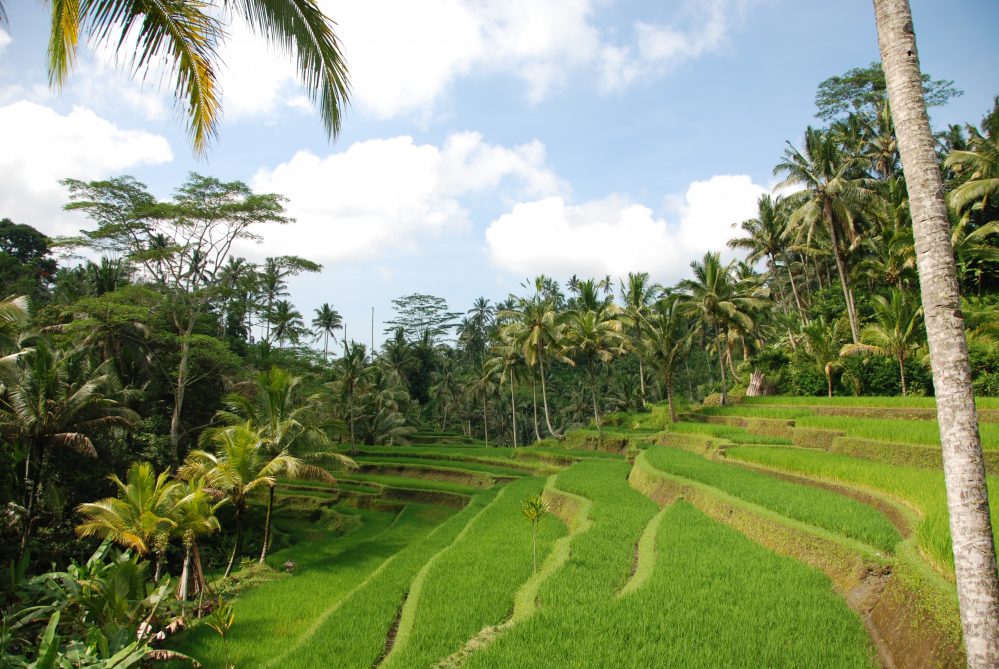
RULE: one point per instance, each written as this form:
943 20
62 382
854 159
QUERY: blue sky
487 140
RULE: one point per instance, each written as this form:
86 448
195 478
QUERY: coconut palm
594 337
767 237
287 423
188 34
638 294
823 341
195 517
240 466
287 322
352 369
537 329
143 517
964 468
978 171
831 200
55 398
506 363
896 332
716 303
666 340
325 324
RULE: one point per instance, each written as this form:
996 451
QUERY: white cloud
42 146
5 40
615 236
386 194
404 56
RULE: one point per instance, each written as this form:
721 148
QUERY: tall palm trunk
183 588
237 543
669 399
593 394
841 269
721 368
485 418
964 469
544 394
513 410
267 524
794 289
534 392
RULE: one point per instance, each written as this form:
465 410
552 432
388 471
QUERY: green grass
917 402
815 506
733 433
925 432
471 584
754 411
272 615
471 466
353 635
921 488
412 483
714 599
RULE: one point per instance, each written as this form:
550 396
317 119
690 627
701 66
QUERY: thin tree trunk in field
513 409
641 379
236 545
901 369
593 394
669 400
544 396
534 391
964 469
267 524
185 574
485 419
794 289
841 269
721 368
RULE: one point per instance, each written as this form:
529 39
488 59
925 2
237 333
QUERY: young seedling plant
534 508
222 618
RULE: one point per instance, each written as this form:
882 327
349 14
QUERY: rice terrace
474 334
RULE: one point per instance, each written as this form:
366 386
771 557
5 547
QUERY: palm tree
896 332
287 423
537 329
823 342
715 304
287 322
56 398
327 321
240 465
594 337
767 237
352 369
666 340
143 517
189 34
978 170
831 200
195 517
507 363
638 294
964 468
534 509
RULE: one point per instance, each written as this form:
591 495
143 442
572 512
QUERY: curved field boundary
896 608
574 511
407 618
646 554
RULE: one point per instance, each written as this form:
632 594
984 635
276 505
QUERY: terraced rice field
756 539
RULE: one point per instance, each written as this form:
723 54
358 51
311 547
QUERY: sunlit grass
917 402
921 488
925 432
714 599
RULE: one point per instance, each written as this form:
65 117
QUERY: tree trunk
534 391
641 379
544 397
485 419
237 544
669 400
180 389
828 372
721 368
593 394
183 589
964 469
513 409
901 370
841 269
794 289
267 524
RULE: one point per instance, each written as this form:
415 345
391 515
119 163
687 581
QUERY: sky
486 141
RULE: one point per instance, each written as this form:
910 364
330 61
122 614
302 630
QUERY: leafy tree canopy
420 316
862 90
